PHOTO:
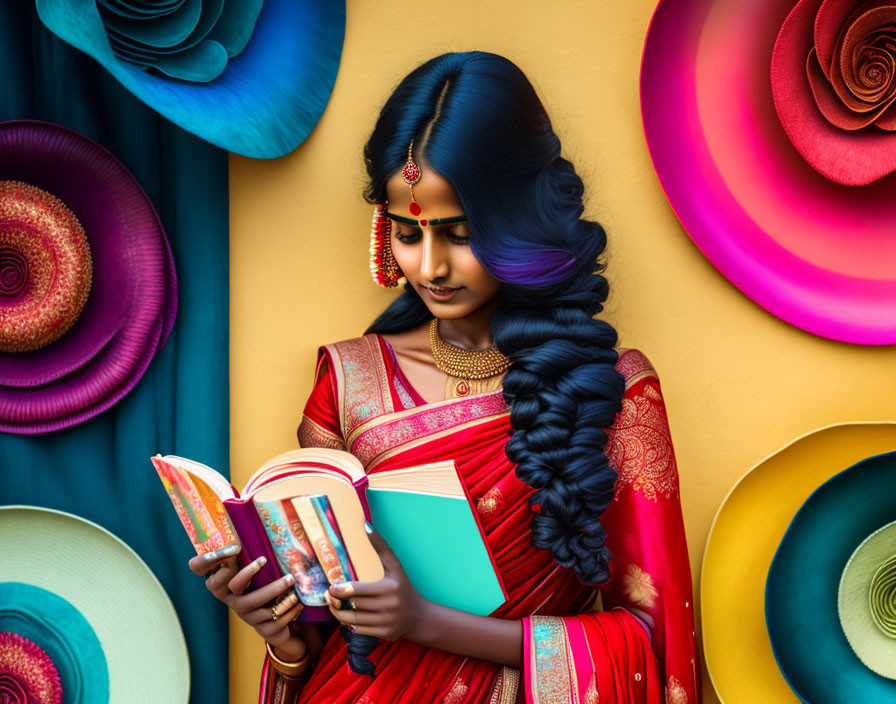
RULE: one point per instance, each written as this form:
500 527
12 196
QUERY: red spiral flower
834 85
27 674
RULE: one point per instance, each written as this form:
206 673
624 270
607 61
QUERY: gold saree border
634 366
312 434
390 434
381 457
493 399
550 662
362 382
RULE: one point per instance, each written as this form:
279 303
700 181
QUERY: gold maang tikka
410 172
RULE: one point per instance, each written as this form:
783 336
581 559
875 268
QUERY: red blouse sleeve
320 426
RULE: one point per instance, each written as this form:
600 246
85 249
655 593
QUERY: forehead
435 195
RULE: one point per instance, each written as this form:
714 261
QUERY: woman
491 357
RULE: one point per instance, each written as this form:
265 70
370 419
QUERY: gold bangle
289 669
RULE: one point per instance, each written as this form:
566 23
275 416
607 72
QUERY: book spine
323 547
361 487
254 540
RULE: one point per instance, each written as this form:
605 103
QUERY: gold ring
351 605
274 614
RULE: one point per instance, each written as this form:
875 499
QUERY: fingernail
289 579
259 563
223 552
368 527
342 589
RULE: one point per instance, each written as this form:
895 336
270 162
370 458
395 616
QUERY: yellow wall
739 383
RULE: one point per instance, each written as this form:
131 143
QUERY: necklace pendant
462 388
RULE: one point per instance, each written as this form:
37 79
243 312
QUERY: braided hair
475 118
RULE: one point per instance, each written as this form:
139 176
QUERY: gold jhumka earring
383 267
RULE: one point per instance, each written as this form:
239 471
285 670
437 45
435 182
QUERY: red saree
572 653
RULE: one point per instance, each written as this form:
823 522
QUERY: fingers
358 603
259 597
203 564
216 580
348 617
387 557
241 581
353 589
279 631
280 608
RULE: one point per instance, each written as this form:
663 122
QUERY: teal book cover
439 543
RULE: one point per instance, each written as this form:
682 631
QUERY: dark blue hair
476 120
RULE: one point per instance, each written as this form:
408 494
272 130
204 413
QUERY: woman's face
436 258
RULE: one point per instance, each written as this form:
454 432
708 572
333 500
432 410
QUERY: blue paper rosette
250 76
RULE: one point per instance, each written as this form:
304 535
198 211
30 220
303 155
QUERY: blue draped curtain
100 470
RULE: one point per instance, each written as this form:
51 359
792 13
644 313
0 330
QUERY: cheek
405 256
478 278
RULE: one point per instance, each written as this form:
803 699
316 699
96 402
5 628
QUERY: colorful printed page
322 539
294 551
199 508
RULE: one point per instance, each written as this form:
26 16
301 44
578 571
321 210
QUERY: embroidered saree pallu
640 649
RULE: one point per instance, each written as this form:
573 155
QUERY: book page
294 551
438 479
200 510
346 506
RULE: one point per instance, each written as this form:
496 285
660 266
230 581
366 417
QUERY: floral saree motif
572 653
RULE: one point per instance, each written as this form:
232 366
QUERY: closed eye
408 237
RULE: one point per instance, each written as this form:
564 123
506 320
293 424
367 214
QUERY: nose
434 264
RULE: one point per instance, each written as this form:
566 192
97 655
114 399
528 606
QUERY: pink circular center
27 674
45 268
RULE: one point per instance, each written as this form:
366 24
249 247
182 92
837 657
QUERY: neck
472 332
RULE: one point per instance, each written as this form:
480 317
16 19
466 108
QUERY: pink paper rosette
81 315
813 252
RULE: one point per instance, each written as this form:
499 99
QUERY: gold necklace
464 365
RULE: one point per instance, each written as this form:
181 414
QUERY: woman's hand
389 608
258 608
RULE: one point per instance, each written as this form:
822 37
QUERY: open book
305 510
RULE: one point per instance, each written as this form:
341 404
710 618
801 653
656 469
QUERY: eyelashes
411 238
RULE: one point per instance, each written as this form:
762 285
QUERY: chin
448 311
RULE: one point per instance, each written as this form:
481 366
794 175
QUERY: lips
441 293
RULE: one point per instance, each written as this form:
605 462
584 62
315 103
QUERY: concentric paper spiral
27 674
45 267
81 249
882 597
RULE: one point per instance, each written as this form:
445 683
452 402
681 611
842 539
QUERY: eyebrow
436 221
